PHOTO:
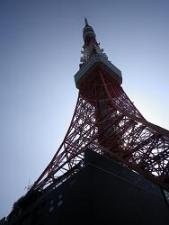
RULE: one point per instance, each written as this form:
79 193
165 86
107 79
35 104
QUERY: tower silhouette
112 166
106 121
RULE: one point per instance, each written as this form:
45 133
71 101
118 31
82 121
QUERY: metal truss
106 121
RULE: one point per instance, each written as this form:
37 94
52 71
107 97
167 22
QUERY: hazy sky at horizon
40 44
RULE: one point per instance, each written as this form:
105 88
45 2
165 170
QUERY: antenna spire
86 22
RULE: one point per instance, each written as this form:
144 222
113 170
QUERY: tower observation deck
94 60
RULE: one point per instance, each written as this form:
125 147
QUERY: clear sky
40 43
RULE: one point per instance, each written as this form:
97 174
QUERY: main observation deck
98 61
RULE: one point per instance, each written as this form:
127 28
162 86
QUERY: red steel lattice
106 121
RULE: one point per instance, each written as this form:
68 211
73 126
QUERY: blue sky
40 43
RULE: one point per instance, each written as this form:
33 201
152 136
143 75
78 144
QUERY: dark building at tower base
101 191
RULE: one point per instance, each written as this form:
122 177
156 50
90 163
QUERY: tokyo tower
112 166
106 121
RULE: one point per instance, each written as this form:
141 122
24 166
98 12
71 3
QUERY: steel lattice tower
106 121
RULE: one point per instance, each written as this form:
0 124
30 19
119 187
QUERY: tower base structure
101 191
